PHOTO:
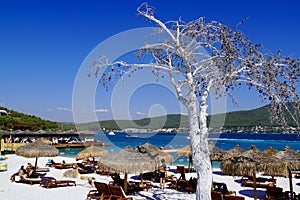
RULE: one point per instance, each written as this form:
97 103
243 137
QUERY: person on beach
162 174
21 172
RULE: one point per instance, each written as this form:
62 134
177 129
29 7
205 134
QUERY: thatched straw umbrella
45 140
233 152
293 160
185 152
128 161
291 157
91 152
216 154
154 151
270 151
252 161
37 149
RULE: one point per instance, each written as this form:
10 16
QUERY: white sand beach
15 191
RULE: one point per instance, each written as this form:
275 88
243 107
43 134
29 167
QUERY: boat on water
131 136
111 133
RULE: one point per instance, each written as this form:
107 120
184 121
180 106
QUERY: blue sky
43 44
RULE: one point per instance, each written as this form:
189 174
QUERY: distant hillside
248 118
233 121
17 120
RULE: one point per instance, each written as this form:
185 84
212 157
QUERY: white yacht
111 133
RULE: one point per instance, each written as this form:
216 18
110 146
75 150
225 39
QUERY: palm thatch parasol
233 152
291 157
37 149
216 154
154 151
91 152
128 161
45 140
293 160
251 161
270 151
185 152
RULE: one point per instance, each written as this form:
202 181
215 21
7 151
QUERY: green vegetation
233 121
17 120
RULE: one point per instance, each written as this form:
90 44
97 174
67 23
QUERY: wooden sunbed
216 195
231 197
102 192
274 193
117 192
260 182
48 182
31 181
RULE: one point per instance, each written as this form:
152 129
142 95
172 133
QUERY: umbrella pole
190 163
35 165
94 165
254 184
291 183
125 183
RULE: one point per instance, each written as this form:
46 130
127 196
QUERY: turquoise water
179 140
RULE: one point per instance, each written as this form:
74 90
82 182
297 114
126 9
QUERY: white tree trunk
199 141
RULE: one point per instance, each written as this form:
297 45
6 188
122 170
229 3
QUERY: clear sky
43 44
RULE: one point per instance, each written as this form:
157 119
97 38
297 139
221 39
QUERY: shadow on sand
249 193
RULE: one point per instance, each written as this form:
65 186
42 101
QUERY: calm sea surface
179 140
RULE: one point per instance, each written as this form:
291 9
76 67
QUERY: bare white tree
200 57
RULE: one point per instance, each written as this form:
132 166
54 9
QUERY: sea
174 141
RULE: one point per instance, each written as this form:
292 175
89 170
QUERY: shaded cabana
252 161
128 161
154 151
37 149
91 152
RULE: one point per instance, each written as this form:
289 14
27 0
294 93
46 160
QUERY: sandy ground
15 191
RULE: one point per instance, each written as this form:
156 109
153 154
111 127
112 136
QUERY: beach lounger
261 182
222 187
274 193
31 181
231 197
103 189
101 193
216 195
48 182
117 193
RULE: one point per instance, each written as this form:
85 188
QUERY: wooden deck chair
216 195
274 193
93 194
231 197
52 182
103 189
117 193
31 181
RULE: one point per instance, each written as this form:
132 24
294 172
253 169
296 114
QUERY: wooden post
291 183
125 183
254 184
35 165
